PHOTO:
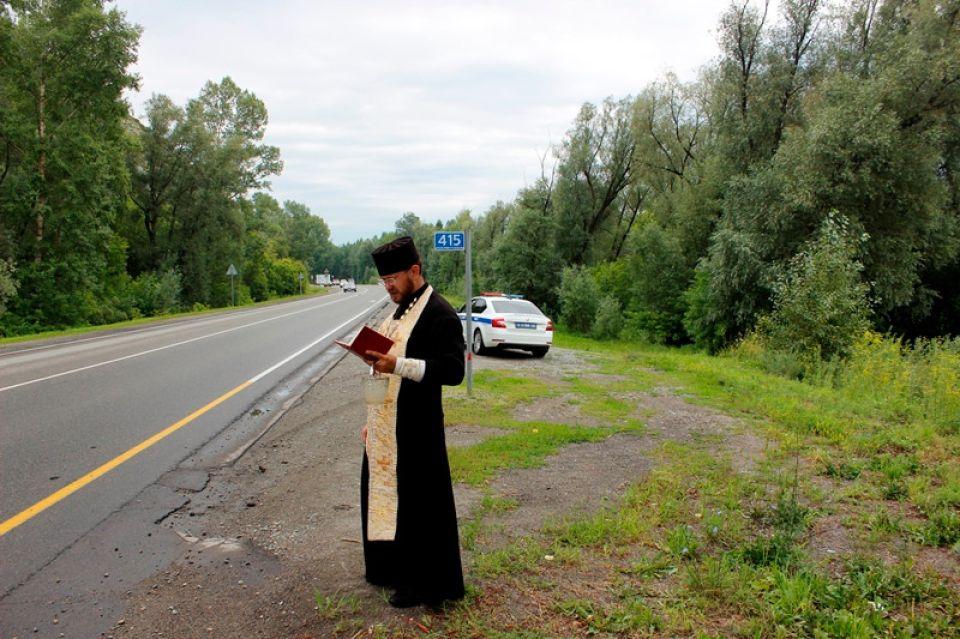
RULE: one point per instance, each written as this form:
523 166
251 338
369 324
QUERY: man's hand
381 363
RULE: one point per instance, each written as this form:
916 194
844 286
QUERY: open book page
367 340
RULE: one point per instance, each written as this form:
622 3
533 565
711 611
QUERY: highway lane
69 408
34 363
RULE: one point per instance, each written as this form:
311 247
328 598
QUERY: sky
385 107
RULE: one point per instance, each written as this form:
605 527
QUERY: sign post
232 274
468 308
460 241
300 277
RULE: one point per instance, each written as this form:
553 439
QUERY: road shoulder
281 526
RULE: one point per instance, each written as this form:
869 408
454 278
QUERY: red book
367 340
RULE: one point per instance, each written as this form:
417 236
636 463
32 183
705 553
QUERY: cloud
385 107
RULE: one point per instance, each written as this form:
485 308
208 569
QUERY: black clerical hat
395 256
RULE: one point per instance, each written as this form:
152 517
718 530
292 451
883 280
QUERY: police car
508 321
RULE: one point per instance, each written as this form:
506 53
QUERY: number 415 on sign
449 241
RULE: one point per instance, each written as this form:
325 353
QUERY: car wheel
539 351
477 344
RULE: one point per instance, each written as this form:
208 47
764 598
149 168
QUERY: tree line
804 186
104 217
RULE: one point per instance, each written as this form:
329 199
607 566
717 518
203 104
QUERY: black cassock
424 557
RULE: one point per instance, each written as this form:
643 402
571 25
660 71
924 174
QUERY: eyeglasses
390 279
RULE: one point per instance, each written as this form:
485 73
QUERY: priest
409 520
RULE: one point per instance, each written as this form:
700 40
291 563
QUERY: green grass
892 449
496 394
489 504
632 616
336 606
725 553
764 570
759 575
601 400
142 321
698 548
525 448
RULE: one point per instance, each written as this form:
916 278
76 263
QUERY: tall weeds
904 383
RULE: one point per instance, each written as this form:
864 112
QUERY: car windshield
516 306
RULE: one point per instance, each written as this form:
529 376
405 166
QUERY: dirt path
282 524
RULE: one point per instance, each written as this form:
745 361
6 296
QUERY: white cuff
410 368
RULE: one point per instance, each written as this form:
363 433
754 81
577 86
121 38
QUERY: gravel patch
558 410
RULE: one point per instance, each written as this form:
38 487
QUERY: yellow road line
68 490
73 487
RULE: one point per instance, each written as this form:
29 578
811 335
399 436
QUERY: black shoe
436 607
380 583
404 599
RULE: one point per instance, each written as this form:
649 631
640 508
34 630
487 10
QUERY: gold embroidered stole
382 432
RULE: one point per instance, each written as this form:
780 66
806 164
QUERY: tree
796 60
670 126
67 68
264 240
871 142
307 236
160 170
820 304
191 169
659 275
488 230
62 180
525 260
593 176
741 38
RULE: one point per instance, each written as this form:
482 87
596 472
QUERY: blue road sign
449 241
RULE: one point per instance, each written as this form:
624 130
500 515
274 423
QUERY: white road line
161 348
261 375
58 496
172 324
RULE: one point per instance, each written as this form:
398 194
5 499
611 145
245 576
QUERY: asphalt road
71 413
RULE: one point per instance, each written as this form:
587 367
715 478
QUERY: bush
784 363
283 275
658 274
8 283
156 293
578 299
820 305
616 280
701 320
609 319
649 326
255 279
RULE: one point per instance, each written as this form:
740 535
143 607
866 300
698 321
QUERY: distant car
508 321
348 285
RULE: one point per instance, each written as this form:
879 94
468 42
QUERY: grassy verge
142 321
881 443
848 527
